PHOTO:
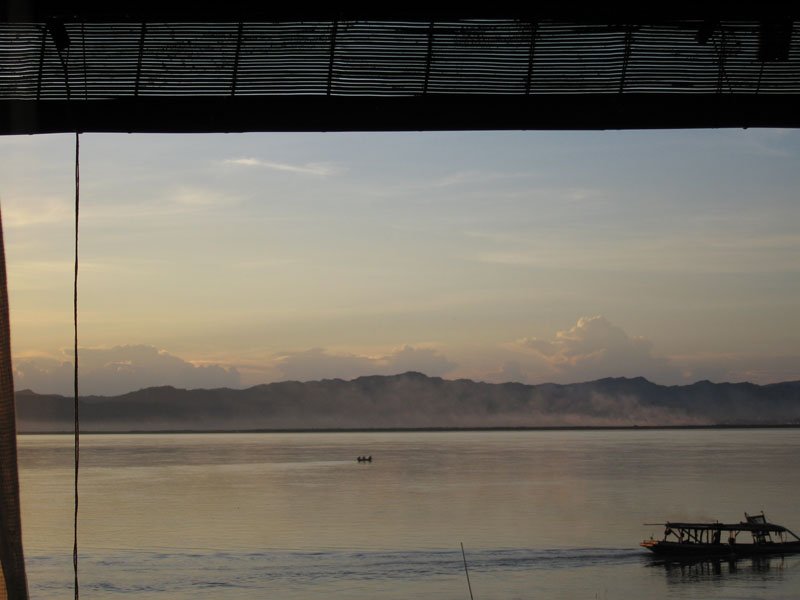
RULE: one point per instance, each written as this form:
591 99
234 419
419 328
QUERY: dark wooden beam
419 113
237 11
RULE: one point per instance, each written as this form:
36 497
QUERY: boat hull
676 549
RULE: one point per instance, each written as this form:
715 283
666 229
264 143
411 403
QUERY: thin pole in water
466 570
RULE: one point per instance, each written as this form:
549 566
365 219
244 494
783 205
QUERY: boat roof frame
758 527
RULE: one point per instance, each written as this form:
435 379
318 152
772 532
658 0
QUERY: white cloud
112 371
26 212
510 371
737 367
595 348
478 177
578 195
200 197
318 363
425 360
162 205
319 169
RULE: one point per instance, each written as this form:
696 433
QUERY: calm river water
541 514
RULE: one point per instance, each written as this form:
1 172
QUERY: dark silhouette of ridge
413 400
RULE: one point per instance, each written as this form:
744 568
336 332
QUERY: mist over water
542 514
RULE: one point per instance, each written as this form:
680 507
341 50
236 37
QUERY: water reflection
553 515
762 568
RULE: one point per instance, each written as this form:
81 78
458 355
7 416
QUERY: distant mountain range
413 400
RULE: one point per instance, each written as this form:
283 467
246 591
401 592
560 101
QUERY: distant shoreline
418 429
415 402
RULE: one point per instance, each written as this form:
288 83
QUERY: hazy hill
414 400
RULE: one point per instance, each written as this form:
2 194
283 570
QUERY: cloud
319 169
160 205
595 348
21 212
112 371
317 363
469 178
736 367
196 197
424 360
510 371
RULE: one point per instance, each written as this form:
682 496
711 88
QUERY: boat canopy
743 526
691 538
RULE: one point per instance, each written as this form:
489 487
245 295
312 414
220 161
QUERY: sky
229 260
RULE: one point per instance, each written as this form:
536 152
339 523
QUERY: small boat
686 540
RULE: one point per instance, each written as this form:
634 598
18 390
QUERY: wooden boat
686 540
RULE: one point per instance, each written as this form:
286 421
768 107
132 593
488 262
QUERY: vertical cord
75 349
65 65
466 570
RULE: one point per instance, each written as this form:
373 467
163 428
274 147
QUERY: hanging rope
62 42
75 350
